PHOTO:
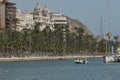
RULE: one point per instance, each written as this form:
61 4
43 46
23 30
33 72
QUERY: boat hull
111 58
81 61
108 59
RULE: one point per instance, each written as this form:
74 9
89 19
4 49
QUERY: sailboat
113 57
110 56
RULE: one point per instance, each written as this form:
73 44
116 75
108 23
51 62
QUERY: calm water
59 70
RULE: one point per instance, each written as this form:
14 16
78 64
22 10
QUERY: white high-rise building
59 19
40 15
25 20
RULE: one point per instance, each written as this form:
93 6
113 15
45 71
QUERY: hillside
75 23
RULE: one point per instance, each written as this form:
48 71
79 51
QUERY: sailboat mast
101 31
108 16
108 26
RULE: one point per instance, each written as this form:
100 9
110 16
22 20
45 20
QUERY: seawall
13 59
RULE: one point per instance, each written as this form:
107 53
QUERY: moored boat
113 57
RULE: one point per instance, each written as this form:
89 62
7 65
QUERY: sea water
59 70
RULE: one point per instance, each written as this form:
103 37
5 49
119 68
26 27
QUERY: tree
79 32
37 27
16 21
116 42
47 38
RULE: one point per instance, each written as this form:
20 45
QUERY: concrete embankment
46 58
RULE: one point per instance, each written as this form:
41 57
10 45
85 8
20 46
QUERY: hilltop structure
7 14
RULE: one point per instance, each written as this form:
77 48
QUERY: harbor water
59 70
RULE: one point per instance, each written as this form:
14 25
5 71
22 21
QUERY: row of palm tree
48 42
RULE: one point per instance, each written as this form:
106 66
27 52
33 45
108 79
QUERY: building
25 20
42 16
7 15
39 15
2 14
46 18
59 19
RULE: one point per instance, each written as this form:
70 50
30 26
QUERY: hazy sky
89 12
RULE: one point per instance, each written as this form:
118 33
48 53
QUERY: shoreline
22 59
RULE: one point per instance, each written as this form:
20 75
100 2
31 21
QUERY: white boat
109 58
113 57
81 61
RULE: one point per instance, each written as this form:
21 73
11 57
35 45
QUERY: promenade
17 59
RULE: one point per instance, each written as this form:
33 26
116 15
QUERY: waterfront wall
46 58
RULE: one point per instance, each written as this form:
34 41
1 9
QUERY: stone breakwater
12 59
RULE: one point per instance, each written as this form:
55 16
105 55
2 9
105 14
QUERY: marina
59 41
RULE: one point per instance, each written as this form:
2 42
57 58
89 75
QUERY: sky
94 14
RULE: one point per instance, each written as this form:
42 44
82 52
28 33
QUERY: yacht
113 57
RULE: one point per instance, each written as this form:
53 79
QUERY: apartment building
41 15
7 15
59 19
2 14
25 20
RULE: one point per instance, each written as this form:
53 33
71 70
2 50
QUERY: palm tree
37 27
79 32
26 38
47 37
16 21
116 43
60 33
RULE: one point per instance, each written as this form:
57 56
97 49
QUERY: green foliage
59 41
